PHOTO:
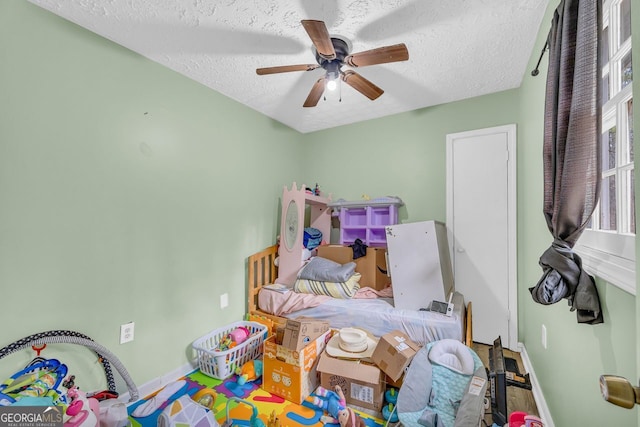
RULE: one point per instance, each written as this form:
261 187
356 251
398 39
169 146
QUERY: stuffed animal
250 371
335 404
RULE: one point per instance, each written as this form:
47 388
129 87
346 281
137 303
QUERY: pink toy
83 412
516 419
533 421
239 335
522 419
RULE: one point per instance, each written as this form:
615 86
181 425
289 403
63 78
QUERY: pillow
454 355
325 270
343 290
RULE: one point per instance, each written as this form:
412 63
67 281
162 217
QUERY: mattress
379 317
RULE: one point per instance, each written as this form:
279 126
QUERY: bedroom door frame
499 132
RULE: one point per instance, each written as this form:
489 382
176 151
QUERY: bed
375 315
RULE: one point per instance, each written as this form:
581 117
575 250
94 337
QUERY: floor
518 399
242 404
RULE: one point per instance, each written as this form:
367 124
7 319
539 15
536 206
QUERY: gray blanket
325 270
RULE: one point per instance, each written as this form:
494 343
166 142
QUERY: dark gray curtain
571 155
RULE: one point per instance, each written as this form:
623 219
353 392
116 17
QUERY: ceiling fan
332 53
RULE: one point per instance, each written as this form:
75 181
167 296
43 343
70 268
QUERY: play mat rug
289 414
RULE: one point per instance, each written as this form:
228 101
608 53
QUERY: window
608 245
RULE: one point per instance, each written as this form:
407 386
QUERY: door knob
460 250
619 391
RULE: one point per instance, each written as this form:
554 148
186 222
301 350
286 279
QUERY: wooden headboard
262 271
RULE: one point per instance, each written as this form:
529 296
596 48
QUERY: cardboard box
394 353
302 331
292 374
391 383
372 267
363 384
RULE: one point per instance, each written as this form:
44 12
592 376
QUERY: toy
250 371
113 413
159 399
103 395
522 419
335 404
389 410
233 338
273 421
389 413
205 397
254 421
185 411
69 381
516 419
532 421
226 343
39 379
82 412
391 395
315 191
239 335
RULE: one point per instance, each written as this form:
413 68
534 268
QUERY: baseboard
545 414
157 383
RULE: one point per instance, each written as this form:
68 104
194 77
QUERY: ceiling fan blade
316 92
361 84
286 69
381 55
319 35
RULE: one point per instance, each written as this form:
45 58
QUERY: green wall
129 192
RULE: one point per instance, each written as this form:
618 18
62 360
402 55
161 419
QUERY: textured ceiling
457 48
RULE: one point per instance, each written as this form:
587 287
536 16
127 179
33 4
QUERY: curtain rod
535 72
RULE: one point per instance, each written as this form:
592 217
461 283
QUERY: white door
481 222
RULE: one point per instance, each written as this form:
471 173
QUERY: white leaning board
419 264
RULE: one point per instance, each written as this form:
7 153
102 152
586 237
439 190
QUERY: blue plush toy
335 404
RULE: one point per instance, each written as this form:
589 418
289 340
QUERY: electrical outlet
126 332
224 300
543 336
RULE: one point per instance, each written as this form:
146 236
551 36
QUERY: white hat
352 343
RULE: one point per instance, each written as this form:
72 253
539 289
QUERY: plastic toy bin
222 364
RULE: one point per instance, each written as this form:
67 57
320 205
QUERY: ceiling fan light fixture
333 74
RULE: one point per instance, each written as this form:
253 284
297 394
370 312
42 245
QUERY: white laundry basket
222 364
